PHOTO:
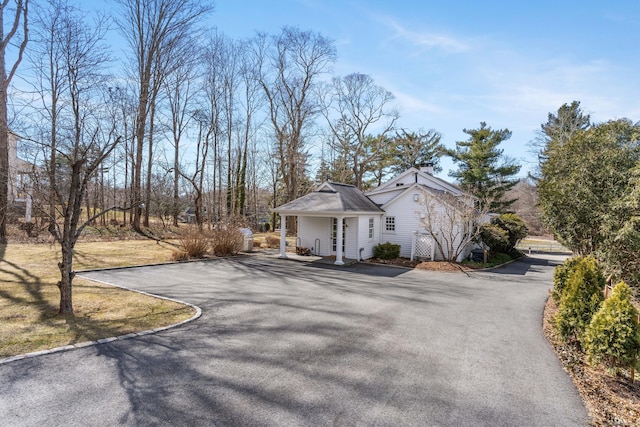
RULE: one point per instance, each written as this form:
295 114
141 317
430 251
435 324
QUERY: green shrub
226 241
494 261
580 300
515 228
500 258
612 336
560 275
386 251
495 237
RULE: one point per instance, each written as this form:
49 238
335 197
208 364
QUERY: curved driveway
283 343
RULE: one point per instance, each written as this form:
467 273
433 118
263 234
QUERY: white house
399 211
20 173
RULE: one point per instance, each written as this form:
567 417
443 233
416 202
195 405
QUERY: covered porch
336 220
333 239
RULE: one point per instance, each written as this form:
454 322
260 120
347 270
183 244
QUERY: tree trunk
147 198
4 141
4 157
137 167
176 189
66 278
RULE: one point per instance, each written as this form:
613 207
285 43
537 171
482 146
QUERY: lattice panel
423 246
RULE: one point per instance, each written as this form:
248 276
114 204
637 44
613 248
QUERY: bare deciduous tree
180 98
18 13
289 66
155 30
526 206
83 124
354 108
452 220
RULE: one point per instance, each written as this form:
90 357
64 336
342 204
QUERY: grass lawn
537 244
29 297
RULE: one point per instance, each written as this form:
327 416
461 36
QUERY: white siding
386 196
444 234
366 243
312 228
406 212
351 238
356 235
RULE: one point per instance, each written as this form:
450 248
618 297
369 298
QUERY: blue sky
454 64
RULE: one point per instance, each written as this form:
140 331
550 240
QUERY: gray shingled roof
331 198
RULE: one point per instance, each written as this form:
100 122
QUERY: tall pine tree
483 170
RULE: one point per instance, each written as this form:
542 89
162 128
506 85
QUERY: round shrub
580 300
225 241
612 336
386 251
495 237
515 228
192 244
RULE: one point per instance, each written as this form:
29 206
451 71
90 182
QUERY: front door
334 234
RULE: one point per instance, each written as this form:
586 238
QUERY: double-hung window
371 223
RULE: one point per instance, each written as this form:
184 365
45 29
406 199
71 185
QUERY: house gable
414 176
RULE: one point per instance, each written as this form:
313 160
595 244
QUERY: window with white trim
370 228
390 223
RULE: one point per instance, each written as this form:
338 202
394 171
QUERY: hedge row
607 330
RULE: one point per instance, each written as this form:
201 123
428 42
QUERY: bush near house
225 241
386 251
495 237
612 335
503 233
515 228
580 300
192 244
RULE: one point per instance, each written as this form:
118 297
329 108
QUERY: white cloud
424 40
414 104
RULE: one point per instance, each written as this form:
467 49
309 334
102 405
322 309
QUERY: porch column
339 238
283 236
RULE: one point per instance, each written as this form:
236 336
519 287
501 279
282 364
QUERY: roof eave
332 214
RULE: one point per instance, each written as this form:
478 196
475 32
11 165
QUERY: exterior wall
351 238
312 228
406 211
385 197
445 232
365 242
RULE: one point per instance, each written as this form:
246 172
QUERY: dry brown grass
29 297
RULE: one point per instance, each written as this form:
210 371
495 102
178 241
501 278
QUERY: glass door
334 234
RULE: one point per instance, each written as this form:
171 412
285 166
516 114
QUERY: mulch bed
423 265
609 400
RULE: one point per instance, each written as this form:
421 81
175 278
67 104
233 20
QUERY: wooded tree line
589 187
223 125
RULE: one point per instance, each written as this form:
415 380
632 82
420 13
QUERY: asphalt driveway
282 343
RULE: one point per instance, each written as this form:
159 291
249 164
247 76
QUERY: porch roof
331 198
